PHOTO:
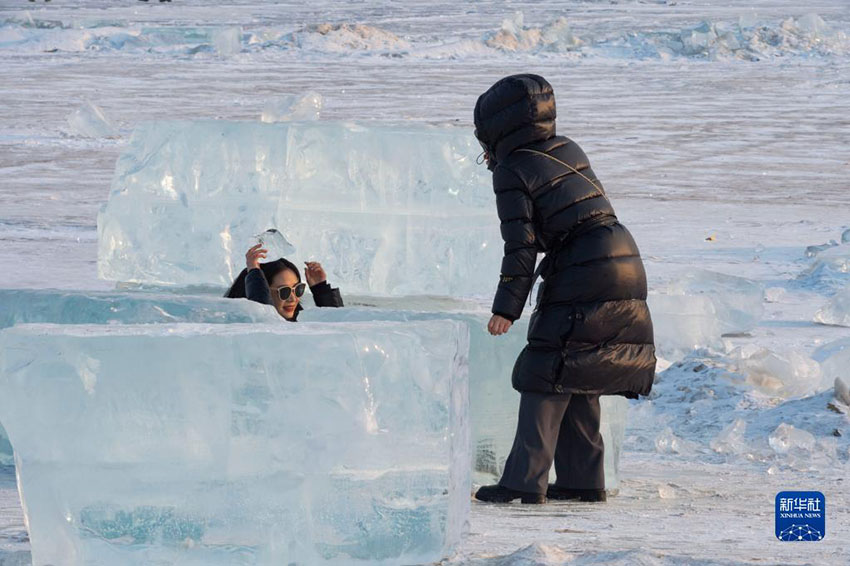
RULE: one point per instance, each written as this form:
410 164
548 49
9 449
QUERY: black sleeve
516 212
326 296
505 315
257 288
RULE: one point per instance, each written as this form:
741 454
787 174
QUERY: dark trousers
560 426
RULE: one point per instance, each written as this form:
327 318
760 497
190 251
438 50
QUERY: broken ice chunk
276 244
293 107
89 121
683 323
731 439
789 374
786 438
738 302
668 442
837 310
829 270
812 251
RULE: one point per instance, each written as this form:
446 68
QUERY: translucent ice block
388 210
829 270
834 358
837 310
738 302
239 443
683 323
19 306
5 448
493 403
94 307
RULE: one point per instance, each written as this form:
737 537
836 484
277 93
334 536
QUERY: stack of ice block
239 443
243 439
387 210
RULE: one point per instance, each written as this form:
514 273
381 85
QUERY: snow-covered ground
719 129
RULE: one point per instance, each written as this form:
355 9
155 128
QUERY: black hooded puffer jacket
591 330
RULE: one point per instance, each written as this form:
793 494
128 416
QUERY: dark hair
270 270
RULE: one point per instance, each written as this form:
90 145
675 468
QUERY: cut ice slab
239 443
493 404
388 210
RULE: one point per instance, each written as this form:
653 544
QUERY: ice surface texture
387 210
229 444
493 403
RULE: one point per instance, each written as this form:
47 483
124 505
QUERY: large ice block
239 443
20 306
493 403
388 210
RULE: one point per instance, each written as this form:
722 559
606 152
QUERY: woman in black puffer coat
591 332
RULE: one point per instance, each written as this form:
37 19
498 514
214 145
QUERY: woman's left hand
498 325
314 272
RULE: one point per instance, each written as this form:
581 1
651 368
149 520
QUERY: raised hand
314 272
254 255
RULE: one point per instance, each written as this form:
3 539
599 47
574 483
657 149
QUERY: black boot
563 493
498 494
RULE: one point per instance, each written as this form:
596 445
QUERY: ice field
719 130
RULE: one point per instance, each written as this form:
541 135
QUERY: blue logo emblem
800 515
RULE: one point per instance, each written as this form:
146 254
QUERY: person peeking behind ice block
278 283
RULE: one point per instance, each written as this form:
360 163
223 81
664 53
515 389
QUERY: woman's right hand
253 256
